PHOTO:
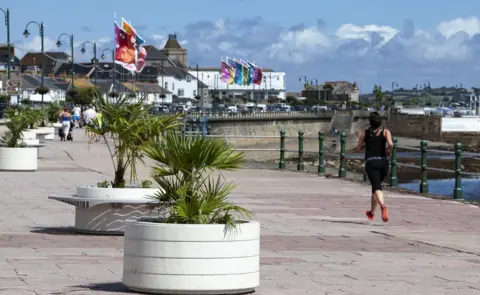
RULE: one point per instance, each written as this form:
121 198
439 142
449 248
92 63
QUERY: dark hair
65 109
375 120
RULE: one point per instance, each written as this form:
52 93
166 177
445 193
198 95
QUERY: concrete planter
18 159
134 193
51 134
107 209
191 258
27 135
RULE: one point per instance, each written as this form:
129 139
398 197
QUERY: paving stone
315 239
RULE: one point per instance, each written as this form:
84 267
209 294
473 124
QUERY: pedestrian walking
378 145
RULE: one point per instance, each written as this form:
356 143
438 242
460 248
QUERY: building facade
14 61
273 85
332 91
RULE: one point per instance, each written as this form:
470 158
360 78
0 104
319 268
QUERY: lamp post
113 62
72 51
198 79
7 23
316 88
394 84
83 50
26 33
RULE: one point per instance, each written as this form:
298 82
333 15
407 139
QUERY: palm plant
52 111
33 116
130 127
17 123
183 169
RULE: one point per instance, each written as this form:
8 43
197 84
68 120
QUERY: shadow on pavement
116 287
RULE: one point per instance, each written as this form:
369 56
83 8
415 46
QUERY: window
180 93
189 78
194 92
166 85
173 86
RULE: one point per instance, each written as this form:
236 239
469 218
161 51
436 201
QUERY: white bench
107 215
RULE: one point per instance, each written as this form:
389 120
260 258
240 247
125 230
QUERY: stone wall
271 127
416 126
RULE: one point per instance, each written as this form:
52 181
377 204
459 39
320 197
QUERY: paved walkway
315 239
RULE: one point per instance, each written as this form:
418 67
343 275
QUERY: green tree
130 128
85 96
4 98
379 94
17 123
183 169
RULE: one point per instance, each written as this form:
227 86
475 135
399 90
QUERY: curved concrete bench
107 215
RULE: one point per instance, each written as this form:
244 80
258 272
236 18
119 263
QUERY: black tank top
375 145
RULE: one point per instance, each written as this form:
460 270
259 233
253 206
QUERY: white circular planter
93 192
109 208
28 142
191 259
26 135
51 134
18 159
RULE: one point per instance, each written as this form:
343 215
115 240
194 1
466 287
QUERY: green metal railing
342 169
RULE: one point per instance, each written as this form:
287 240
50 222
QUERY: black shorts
377 170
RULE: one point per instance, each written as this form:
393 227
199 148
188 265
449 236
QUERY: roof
35 58
151 73
146 88
79 69
172 42
4 59
154 53
32 82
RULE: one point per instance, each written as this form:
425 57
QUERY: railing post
300 166
423 167
281 164
393 164
321 152
458 191
341 168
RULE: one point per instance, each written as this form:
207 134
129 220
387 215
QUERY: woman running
378 147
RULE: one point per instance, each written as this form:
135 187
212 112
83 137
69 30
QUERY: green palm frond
131 128
183 169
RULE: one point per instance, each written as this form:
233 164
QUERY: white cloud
350 51
470 25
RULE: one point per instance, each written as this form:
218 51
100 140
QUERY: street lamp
7 23
316 87
304 80
394 84
72 51
26 33
114 66
83 50
198 79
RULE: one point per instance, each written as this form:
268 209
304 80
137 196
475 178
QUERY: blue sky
372 42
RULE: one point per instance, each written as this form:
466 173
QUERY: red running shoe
384 213
369 215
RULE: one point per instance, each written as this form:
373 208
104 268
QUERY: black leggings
377 170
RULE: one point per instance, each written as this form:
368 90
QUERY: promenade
315 237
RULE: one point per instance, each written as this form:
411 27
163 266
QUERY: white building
273 85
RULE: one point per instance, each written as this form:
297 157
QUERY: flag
249 72
228 74
125 51
239 74
258 73
140 53
127 27
238 77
